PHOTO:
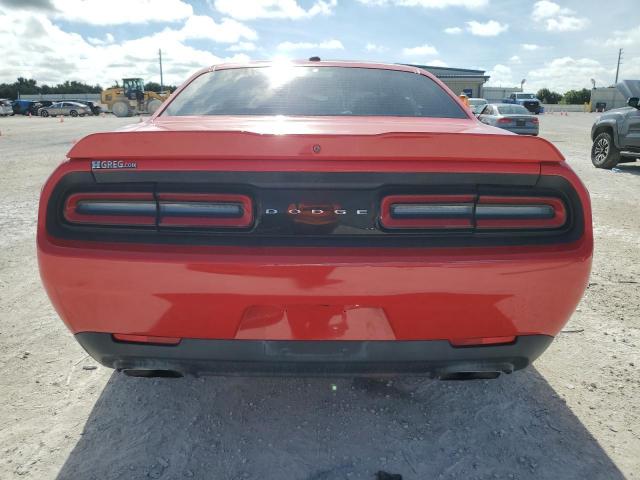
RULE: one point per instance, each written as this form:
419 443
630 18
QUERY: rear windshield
512 110
314 91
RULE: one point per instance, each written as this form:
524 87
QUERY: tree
155 87
28 86
577 97
547 96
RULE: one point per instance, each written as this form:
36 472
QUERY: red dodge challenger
314 217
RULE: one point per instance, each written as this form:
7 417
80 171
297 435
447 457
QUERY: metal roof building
459 80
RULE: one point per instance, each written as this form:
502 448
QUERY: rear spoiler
238 145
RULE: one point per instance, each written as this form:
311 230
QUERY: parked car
616 133
191 245
477 104
96 109
527 100
5 107
23 107
65 108
514 118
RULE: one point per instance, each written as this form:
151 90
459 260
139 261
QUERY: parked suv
616 133
527 100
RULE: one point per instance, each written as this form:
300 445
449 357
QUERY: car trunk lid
307 141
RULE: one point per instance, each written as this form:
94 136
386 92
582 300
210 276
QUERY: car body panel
209 292
325 280
339 139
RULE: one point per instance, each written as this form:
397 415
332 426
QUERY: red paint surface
316 293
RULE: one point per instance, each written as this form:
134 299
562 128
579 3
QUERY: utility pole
162 82
618 67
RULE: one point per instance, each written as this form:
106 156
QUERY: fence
558 107
89 97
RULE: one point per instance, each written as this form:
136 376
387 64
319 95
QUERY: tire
604 153
73 113
153 105
44 113
121 109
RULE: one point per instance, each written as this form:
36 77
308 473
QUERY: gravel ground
574 415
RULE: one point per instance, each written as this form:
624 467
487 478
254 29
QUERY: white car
477 104
5 107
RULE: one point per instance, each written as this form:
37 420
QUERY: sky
559 45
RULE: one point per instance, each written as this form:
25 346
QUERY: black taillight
427 211
108 208
469 211
204 210
170 210
497 212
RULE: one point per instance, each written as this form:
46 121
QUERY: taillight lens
161 210
535 120
427 211
204 210
494 212
111 209
469 211
504 120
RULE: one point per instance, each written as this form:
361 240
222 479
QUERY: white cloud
253 9
470 4
557 18
566 24
372 47
242 47
108 38
49 47
530 46
453 30
567 73
546 9
325 45
205 27
114 12
515 59
500 75
421 50
623 38
487 29
433 63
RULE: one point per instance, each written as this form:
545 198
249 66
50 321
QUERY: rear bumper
525 130
437 358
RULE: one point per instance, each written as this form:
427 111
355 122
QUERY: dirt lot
574 415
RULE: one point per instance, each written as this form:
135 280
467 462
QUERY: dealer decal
111 164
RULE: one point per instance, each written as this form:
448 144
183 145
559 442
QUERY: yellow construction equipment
131 98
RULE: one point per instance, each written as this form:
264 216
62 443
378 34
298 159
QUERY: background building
459 80
606 98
